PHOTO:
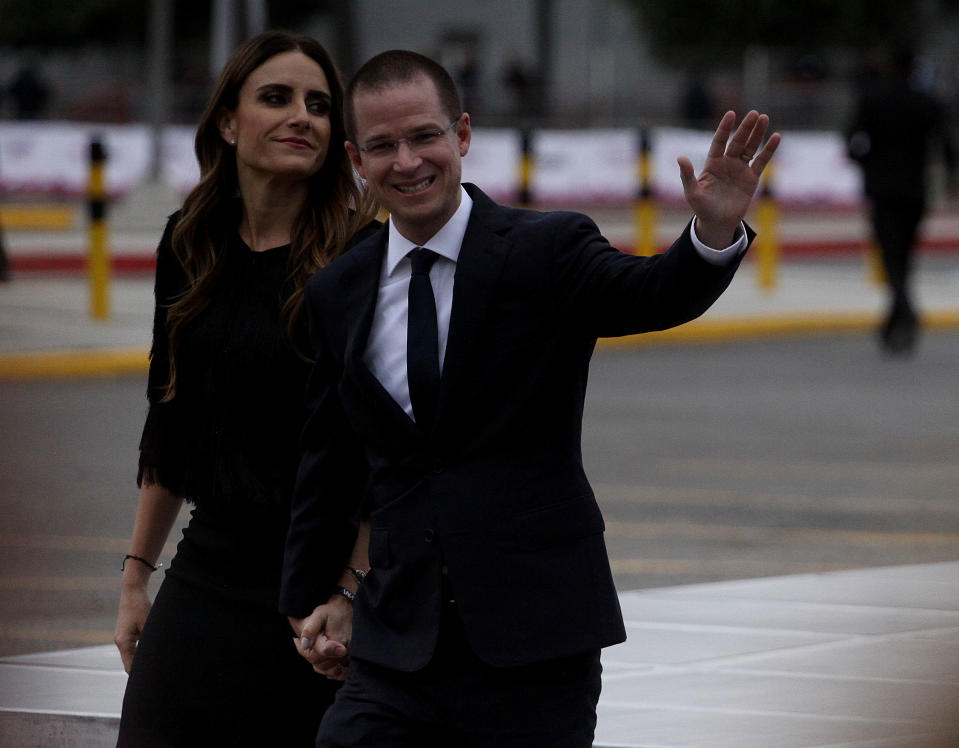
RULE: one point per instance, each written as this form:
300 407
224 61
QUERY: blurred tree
684 32
47 24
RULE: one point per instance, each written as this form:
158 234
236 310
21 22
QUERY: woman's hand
134 607
156 513
323 638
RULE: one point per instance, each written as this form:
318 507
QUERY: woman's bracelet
141 560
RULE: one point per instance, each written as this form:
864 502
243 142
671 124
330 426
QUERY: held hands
721 194
323 638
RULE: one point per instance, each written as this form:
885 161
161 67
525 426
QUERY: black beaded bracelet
141 560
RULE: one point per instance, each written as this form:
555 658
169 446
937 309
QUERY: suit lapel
478 269
361 290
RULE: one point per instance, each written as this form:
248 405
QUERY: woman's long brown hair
334 210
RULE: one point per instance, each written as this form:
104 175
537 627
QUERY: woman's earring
232 141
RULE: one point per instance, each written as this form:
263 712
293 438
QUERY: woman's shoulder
169 273
173 219
166 240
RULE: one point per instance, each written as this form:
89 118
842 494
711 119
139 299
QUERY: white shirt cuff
720 256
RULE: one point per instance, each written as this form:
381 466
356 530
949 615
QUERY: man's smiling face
421 188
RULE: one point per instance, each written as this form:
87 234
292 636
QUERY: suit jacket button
437 466
429 535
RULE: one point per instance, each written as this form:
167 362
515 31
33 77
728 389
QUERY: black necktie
422 340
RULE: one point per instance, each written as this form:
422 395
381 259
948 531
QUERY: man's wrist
716 236
358 574
724 256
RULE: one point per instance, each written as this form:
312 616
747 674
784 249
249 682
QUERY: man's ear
355 158
463 134
226 124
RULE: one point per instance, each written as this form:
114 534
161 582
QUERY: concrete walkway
857 659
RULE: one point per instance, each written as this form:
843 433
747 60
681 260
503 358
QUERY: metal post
160 34
256 17
544 49
767 241
526 170
644 212
347 46
223 36
98 258
874 267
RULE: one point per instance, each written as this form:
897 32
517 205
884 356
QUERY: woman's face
281 125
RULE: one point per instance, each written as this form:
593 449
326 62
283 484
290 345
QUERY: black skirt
212 671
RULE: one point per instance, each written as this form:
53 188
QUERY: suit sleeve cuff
720 256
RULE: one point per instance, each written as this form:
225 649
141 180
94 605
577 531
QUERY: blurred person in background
4 263
891 135
4 260
29 91
211 661
698 104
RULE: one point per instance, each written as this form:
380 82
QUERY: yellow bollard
98 258
874 267
767 239
526 170
644 211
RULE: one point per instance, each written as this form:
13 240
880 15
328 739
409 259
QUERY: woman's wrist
134 558
136 571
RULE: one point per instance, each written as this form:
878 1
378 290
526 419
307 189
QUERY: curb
769 328
107 362
136 261
94 362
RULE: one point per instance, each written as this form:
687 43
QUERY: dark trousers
896 225
457 700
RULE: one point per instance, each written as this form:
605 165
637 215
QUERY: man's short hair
398 66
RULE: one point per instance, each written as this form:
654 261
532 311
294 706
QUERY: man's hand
323 638
721 194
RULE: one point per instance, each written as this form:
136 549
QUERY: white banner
584 166
813 168
808 168
179 169
571 167
493 163
667 144
54 157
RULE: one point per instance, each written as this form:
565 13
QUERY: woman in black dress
211 661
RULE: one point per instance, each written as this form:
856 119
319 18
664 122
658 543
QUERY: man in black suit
892 131
489 593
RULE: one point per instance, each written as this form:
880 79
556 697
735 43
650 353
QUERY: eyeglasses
417 142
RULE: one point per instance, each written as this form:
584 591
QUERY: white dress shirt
386 349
